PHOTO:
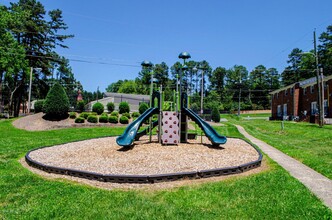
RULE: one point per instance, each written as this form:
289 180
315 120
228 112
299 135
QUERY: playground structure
172 130
172 125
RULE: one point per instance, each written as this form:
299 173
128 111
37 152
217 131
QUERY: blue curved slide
212 135
128 136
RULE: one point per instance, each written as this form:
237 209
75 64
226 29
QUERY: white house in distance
133 100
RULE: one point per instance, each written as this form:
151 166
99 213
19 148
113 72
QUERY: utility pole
202 91
239 107
319 103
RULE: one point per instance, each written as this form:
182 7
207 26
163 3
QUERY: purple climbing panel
170 128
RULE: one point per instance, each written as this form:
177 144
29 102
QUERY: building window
325 85
286 91
291 91
304 91
314 108
279 114
285 110
312 89
278 95
325 107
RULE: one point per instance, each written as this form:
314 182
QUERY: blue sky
122 33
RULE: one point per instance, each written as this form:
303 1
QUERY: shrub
79 120
72 115
194 107
98 108
80 106
127 115
124 107
113 119
135 114
92 119
103 119
84 115
1 115
39 106
143 107
104 114
124 120
215 114
56 103
115 113
110 107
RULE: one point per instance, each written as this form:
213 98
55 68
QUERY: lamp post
148 65
202 88
183 138
30 85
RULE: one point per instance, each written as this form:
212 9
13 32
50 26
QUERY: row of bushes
92 117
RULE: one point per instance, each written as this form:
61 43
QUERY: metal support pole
322 95
318 84
239 107
151 104
160 113
30 85
202 90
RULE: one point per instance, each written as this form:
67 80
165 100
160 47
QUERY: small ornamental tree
98 108
124 107
215 114
80 106
56 104
143 107
110 107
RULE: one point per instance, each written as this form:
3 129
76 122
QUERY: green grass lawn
272 194
303 141
257 115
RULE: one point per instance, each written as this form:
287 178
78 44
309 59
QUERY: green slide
128 136
213 136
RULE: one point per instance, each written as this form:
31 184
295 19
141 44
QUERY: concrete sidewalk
318 184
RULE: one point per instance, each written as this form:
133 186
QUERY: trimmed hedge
92 119
56 104
84 115
98 108
124 107
72 115
79 120
126 114
103 119
115 113
143 107
110 107
135 114
113 119
124 120
39 106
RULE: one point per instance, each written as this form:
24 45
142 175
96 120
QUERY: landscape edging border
144 179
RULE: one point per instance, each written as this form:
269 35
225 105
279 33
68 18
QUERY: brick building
299 100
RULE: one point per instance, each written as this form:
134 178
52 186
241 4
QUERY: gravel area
36 122
104 156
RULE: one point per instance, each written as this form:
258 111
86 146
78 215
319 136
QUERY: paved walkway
318 184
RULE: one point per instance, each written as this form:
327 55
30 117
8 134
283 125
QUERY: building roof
304 83
123 95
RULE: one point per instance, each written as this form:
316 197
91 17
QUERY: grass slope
24 195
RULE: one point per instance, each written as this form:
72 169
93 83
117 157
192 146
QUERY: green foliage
92 119
215 114
126 114
80 106
39 106
113 119
98 108
54 199
143 107
154 117
104 114
135 114
79 120
124 120
110 107
194 107
167 106
128 86
72 115
124 107
56 104
84 115
103 119
115 113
